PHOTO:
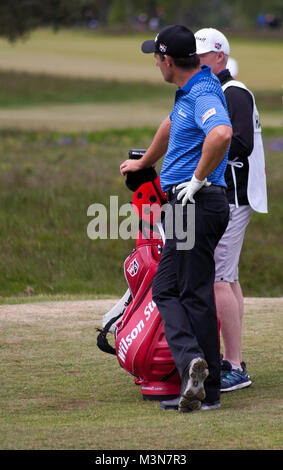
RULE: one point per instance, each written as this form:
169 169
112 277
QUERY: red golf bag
140 344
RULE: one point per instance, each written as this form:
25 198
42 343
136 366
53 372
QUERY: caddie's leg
236 287
228 293
227 307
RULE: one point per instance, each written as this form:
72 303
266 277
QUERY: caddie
246 182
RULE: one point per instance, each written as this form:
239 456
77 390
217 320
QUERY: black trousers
183 287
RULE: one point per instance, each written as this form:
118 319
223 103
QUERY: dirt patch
263 303
95 117
57 309
95 309
84 117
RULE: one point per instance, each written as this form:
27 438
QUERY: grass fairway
88 117
74 81
79 54
58 391
95 117
92 55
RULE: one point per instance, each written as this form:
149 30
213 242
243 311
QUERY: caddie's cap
210 39
175 40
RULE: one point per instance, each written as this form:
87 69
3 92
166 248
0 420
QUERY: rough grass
88 117
98 117
48 181
59 392
50 177
36 102
23 89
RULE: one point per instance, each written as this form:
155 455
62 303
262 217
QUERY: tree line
18 17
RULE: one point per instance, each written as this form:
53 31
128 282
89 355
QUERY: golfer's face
164 67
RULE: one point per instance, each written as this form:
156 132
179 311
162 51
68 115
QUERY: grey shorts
228 250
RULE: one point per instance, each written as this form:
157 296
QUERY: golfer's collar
205 71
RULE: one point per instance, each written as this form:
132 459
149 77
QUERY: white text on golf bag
125 343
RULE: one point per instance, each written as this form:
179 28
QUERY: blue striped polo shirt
199 107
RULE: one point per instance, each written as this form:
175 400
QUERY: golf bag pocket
141 346
140 267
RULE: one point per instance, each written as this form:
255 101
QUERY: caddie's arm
214 148
154 152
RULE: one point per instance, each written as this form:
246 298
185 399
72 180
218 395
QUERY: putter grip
136 154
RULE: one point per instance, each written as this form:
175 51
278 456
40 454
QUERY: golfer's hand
189 188
130 166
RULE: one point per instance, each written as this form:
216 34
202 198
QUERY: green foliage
18 17
252 9
119 13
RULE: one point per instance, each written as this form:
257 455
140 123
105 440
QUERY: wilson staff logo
133 268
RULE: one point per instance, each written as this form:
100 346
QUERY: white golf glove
189 188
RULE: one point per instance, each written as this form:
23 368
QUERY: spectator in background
261 20
267 21
245 177
232 66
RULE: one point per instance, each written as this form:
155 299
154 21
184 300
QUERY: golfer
195 138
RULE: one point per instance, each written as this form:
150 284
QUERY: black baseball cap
175 40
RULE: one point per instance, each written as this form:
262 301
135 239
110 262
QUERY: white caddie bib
257 190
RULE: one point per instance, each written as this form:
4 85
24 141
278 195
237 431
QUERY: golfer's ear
168 60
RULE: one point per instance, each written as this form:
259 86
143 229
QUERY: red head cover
147 201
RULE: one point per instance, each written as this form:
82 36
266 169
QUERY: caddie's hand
189 188
129 166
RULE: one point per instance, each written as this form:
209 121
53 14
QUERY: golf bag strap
102 341
169 375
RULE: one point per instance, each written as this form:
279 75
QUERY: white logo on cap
162 47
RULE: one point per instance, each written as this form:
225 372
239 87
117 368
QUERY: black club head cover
135 179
